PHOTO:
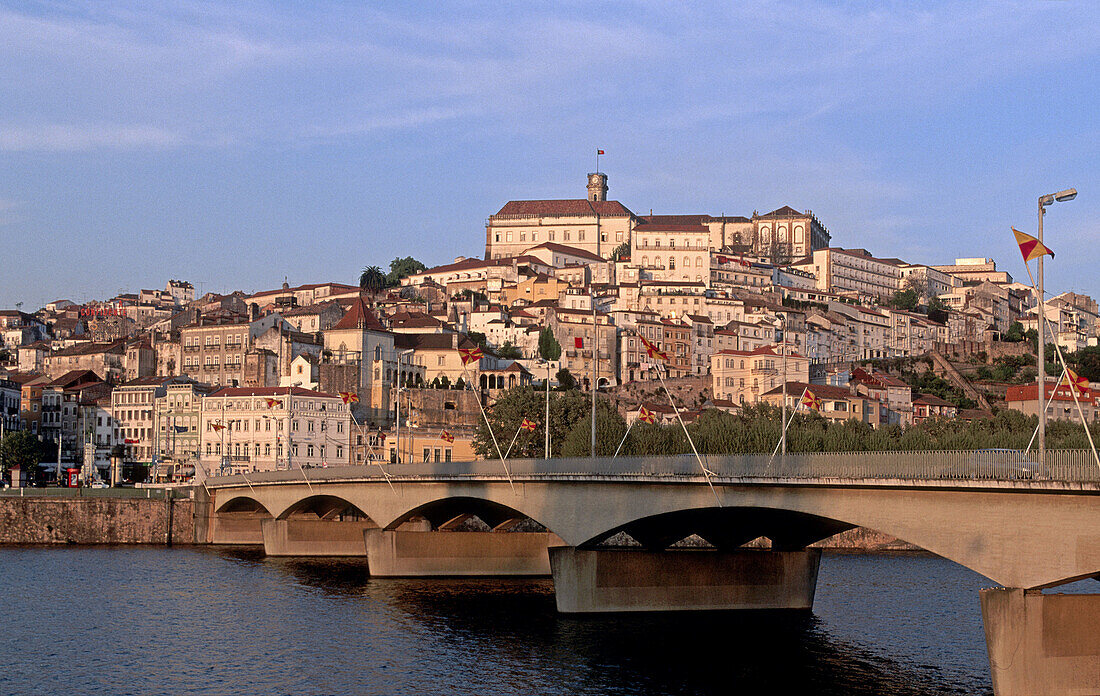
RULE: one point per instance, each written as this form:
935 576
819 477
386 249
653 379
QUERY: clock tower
597 187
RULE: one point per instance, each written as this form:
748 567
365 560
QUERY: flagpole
1076 402
1051 399
628 427
513 442
477 397
378 462
787 423
707 473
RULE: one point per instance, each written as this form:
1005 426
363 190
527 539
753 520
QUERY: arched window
645 262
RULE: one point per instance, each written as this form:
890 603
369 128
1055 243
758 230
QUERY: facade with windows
245 429
743 376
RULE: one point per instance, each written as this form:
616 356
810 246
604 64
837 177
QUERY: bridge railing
1070 466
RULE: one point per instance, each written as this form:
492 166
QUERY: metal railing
1062 466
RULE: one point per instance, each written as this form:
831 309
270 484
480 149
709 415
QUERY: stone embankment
71 519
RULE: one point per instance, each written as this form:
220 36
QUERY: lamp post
1041 367
397 433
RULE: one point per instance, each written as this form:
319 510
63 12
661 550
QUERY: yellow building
540 287
743 376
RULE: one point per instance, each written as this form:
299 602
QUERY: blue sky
233 145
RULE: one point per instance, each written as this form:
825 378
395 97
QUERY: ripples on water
201 621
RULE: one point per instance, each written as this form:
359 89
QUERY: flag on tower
470 355
1030 247
647 416
528 425
652 351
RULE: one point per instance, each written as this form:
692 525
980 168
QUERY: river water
125 620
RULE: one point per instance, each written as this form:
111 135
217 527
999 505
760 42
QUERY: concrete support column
236 529
315 537
587 581
442 554
1042 644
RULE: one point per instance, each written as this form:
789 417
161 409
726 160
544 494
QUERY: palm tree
372 279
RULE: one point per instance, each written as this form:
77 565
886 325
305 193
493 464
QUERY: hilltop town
748 308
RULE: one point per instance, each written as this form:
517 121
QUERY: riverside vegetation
754 430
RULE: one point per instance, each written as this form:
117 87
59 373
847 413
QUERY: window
267 449
671 263
339 451
427 454
508 236
447 455
437 454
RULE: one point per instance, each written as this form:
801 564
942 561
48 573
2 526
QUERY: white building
245 429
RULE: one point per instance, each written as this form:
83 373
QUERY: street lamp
1041 365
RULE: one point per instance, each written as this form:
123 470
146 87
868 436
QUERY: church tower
597 187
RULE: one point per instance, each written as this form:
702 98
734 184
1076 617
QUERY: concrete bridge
1024 526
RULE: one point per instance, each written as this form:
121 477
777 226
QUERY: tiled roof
930 400
672 223
784 212
571 207
73 378
823 391
762 350
271 391
564 249
359 317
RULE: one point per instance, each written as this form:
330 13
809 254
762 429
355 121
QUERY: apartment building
743 376
598 343
177 418
246 429
855 272
837 403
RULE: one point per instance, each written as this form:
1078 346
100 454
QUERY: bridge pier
590 581
1042 643
314 537
236 530
442 554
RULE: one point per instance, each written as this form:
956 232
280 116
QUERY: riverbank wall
97 519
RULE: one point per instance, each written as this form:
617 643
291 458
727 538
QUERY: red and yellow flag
445 435
647 416
217 427
1030 247
528 425
349 397
272 403
470 355
652 351
811 401
1077 381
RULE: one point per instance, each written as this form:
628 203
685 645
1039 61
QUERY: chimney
198 316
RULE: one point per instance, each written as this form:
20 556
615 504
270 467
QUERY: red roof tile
572 207
360 317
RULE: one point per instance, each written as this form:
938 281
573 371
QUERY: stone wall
75 520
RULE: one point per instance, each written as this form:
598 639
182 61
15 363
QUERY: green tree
566 409
937 310
610 428
21 449
1015 333
403 267
1088 363
549 348
621 252
372 279
905 299
478 338
509 352
566 380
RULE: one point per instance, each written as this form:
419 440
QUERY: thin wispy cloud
263 122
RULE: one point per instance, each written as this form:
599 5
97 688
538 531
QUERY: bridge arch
727 527
442 511
324 507
244 506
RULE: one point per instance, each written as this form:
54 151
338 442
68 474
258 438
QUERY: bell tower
597 187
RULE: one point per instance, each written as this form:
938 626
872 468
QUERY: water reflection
230 621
